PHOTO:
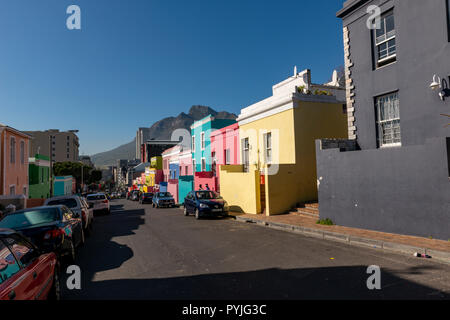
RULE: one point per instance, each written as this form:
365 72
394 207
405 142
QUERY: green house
39 177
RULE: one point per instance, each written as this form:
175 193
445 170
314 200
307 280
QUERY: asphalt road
138 252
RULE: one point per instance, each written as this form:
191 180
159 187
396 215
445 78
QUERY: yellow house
278 162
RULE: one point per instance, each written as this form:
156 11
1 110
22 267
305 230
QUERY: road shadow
101 252
269 284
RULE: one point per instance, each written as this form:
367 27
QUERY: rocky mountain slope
161 129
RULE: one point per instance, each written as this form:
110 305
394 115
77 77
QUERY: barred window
388 120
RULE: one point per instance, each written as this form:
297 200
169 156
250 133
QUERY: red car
26 273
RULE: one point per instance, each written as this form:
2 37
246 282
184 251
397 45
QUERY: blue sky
137 61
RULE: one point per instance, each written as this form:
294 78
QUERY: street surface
139 252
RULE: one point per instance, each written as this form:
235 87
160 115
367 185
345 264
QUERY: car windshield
25 219
164 194
69 202
96 197
207 195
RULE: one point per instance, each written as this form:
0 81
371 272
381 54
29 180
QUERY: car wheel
186 213
55 292
197 214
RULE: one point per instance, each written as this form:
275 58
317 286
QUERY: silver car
99 202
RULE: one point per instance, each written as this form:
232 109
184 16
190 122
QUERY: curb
442 256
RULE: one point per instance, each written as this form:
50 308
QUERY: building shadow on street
269 284
101 252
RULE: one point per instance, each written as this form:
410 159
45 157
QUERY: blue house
201 141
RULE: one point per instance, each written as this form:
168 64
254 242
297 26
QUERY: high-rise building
59 146
142 135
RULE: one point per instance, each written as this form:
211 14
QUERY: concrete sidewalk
437 249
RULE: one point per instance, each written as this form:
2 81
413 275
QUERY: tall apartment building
60 146
142 135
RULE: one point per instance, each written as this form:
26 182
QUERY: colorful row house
39 177
153 175
14 146
202 156
277 169
177 167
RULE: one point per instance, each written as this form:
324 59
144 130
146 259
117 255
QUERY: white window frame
228 156
267 147
203 162
245 159
12 186
193 143
202 141
387 37
193 166
382 122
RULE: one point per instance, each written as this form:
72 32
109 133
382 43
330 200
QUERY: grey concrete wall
403 190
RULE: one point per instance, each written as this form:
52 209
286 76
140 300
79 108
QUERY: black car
205 203
51 229
146 198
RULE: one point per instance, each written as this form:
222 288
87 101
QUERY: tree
96 176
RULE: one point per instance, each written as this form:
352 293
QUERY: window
214 163
186 170
193 143
385 42
245 154
194 169
227 156
202 137
203 164
388 120
448 19
23 251
12 150
25 191
22 152
12 190
8 263
268 147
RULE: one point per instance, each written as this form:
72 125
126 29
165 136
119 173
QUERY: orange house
14 146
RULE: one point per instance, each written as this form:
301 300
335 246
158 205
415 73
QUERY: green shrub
325 222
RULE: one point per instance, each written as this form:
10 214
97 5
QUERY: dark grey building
393 174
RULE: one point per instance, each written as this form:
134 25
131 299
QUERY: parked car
146 198
26 273
50 228
205 203
163 199
99 202
77 205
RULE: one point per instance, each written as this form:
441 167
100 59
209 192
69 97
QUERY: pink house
14 146
224 151
185 163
